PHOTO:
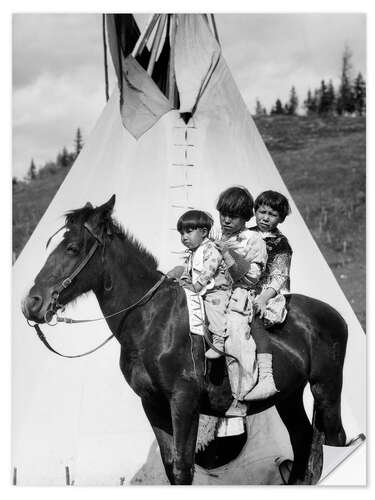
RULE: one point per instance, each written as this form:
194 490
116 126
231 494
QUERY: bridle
55 306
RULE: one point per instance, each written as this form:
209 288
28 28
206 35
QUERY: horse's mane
110 227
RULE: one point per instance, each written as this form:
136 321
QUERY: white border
264 6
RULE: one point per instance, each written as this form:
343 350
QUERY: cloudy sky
58 75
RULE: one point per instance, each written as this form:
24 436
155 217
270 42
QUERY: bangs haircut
236 202
194 219
276 201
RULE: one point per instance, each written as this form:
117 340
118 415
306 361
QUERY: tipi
181 134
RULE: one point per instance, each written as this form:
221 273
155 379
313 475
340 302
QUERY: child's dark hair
276 201
194 219
236 201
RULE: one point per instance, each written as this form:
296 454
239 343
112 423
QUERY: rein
55 306
139 302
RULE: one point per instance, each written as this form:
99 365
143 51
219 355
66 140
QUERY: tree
259 109
360 95
345 100
278 109
311 103
78 142
324 99
331 97
292 105
63 159
31 173
14 181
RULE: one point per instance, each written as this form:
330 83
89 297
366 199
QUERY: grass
30 201
323 163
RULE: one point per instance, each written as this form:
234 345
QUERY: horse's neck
126 278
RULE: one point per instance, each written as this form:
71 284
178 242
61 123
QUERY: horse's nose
33 303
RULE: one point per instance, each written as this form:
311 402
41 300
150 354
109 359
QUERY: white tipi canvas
80 413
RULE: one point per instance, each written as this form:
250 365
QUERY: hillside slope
323 163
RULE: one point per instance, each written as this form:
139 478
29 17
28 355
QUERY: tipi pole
215 28
142 40
171 72
14 476
156 44
67 475
105 59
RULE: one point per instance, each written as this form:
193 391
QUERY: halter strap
139 302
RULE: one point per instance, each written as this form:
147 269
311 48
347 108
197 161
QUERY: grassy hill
323 163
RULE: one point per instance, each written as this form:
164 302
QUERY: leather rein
54 305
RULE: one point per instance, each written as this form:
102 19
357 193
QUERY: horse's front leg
185 421
160 420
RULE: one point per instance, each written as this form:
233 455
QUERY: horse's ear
107 207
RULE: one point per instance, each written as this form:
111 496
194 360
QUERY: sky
58 71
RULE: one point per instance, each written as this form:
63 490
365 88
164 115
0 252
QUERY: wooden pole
142 40
156 44
14 476
215 28
105 59
171 69
67 475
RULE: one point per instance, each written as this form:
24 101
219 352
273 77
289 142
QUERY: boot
236 409
218 342
265 387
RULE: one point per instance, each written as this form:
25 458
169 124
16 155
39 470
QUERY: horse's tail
315 462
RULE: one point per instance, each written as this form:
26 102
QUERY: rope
105 59
61 319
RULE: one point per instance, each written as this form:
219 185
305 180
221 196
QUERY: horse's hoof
355 441
285 469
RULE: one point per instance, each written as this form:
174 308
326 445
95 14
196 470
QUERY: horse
165 365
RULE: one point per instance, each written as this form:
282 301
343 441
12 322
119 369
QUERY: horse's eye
72 249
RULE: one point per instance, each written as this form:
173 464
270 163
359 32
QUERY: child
245 254
271 208
205 273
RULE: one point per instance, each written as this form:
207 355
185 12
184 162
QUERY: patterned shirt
277 272
249 253
205 265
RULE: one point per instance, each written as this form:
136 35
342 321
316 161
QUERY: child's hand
260 306
176 272
222 246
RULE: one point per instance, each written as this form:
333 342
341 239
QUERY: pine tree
311 103
259 109
63 158
331 97
31 173
278 108
78 142
291 107
324 100
345 100
360 95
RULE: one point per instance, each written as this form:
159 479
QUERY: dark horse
165 366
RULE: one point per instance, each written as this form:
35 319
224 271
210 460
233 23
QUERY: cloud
268 53
58 75
47 112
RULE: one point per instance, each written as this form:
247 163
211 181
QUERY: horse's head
75 265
